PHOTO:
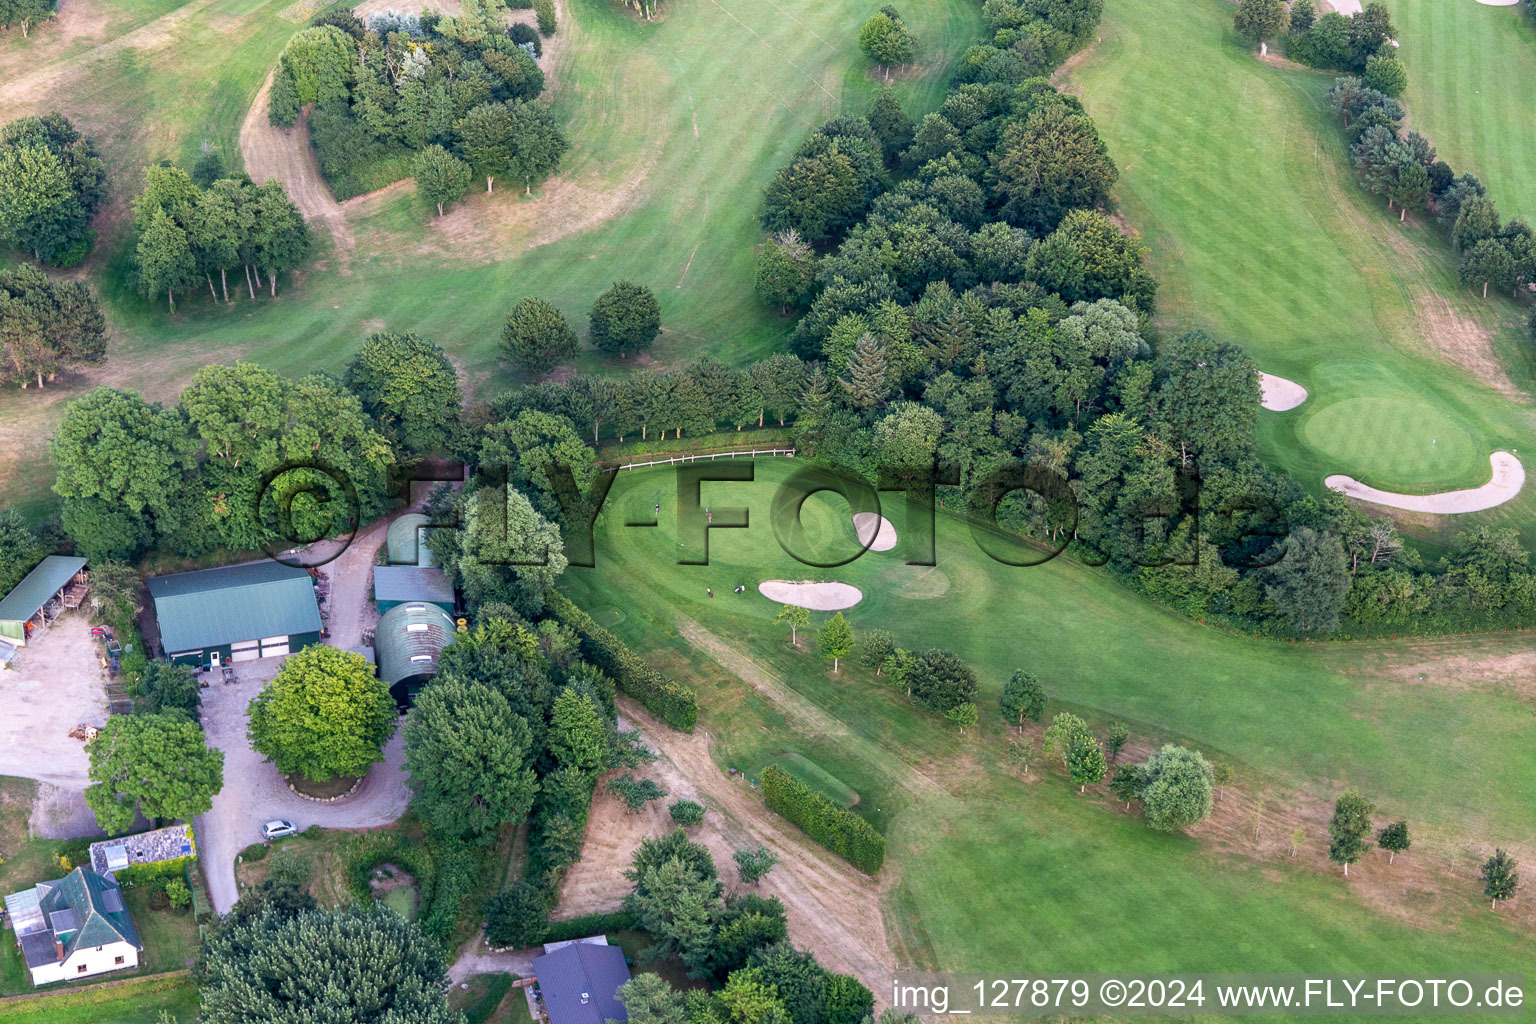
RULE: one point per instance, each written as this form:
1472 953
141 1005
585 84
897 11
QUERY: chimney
586 997
58 952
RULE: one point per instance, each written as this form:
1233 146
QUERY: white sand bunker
1499 3
1508 478
871 523
1278 394
818 597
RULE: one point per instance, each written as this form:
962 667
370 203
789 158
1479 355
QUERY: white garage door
247 651
273 646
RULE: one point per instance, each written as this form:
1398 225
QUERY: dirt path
808 717
833 910
1508 478
271 152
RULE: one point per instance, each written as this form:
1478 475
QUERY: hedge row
159 871
837 828
591 924
669 701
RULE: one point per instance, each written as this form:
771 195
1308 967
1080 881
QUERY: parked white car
277 829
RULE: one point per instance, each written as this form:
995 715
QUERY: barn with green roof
235 613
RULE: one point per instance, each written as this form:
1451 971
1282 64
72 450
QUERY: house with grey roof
578 983
212 617
73 927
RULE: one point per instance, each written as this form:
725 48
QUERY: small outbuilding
402 584
578 983
408 641
235 613
59 582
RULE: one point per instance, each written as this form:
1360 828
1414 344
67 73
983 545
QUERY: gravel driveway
254 793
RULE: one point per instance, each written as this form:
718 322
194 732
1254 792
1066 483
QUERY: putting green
1393 441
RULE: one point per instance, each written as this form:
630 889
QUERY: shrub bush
516 916
837 828
686 812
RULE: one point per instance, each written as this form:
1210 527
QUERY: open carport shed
403 584
408 641
58 582
235 613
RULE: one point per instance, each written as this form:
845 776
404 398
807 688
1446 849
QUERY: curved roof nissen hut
407 543
407 643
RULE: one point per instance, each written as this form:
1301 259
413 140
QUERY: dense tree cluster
187 233
886 40
51 182
457 91
26 13
1029 38
514 727
1334 41
250 457
291 963
47 326
741 940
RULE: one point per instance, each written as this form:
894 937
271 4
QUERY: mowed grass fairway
676 126
991 872
1469 91
1236 174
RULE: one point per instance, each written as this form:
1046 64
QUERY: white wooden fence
707 456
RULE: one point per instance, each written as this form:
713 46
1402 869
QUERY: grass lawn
990 870
1465 95
1235 173
140 1003
483 997
676 126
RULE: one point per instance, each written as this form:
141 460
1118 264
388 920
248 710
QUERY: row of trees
432 85
1350 836
47 326
537 337
51 182
1404 167
186 234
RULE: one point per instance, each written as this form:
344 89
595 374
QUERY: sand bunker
818 597
1498 3
1278 394
1508 478
884 533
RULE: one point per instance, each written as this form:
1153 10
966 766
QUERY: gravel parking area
52 686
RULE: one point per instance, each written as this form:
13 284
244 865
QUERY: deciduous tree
835 639
625 318
1500 879
324 714
1023 697
157 765
469 759
1349 829
440 176
1394 839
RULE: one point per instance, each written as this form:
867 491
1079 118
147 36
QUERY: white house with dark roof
73 927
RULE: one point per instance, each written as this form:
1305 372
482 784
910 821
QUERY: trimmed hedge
591 924
160 871
669 701
837 828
